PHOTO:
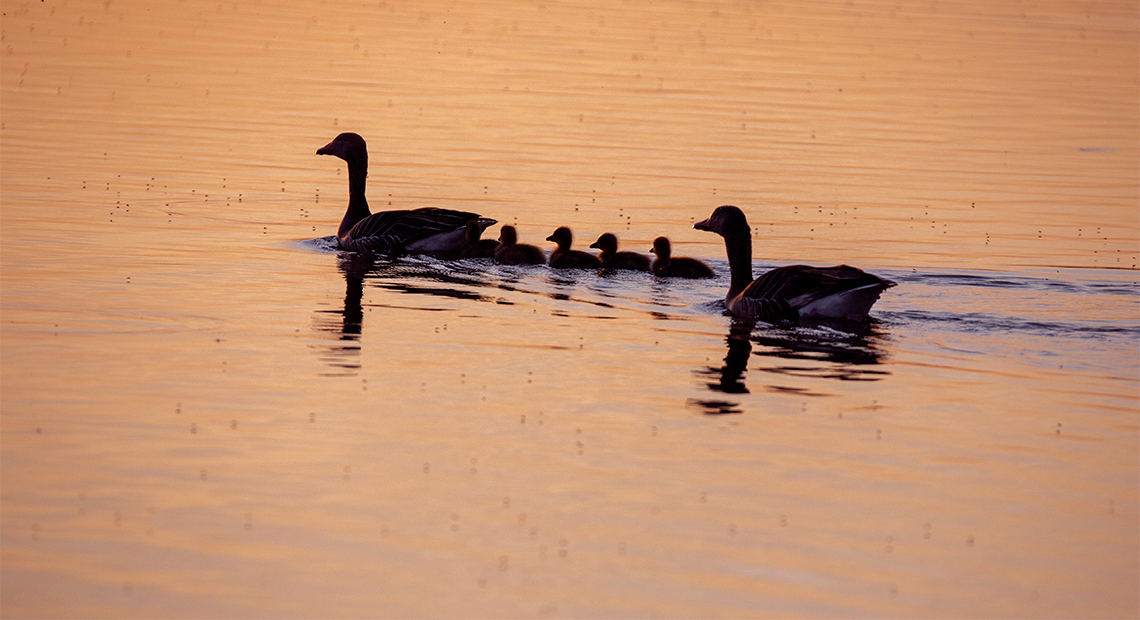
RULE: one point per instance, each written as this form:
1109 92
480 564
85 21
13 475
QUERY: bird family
782 294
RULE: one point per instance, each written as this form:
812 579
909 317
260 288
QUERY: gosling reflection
815 351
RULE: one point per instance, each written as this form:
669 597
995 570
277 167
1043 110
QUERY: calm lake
207 411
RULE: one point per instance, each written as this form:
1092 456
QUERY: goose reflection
424 276
344 325
828 350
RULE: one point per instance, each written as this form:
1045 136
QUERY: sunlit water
207 411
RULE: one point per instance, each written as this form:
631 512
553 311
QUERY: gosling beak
595 245
551 238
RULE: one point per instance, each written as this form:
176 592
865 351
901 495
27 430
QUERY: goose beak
326 149
702 225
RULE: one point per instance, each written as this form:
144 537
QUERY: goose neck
738 245
357 203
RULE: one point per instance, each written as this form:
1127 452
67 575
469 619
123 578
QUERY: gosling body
566 258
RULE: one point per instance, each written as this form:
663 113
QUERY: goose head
348 146
662 248
724 220
607 243
563 237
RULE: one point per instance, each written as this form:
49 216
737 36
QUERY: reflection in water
345 325
845 349
730 377
433 279
418 275
410 275
831 350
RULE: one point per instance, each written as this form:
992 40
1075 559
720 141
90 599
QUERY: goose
425 230
788 292
565 258
511 252
612 259
476 247
669 266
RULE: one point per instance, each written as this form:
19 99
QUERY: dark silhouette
476 247
846 351
788 293
668 266
511 252
426 230
613 259
565 258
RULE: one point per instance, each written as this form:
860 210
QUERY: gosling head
473 231
562 236
662 248
607 243
508 235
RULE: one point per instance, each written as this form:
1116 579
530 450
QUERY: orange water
207 412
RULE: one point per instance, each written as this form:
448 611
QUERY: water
209 412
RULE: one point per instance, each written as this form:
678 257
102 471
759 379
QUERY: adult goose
612 259
426 230
511 252
564 257
668 266
788 293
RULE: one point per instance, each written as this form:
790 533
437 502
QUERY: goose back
428 229
800 290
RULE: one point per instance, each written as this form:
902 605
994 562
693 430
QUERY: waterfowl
511 252
788 293
476 247
565 258
669 266
612 259
426 230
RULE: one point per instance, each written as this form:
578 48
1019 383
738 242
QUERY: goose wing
786 291
801 283
388 232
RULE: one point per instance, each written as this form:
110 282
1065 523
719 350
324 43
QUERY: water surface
207 411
